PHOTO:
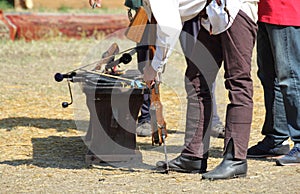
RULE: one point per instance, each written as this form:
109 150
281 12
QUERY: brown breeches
234 49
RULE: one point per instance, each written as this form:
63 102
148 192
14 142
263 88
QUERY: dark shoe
144 129
218 131
229 168
292 158
264 149
187 164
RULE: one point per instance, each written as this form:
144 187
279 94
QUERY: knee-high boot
229 168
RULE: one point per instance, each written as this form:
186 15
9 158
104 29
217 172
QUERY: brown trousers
234 48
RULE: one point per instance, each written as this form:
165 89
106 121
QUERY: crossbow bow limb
105 67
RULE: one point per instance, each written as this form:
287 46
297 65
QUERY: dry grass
41 150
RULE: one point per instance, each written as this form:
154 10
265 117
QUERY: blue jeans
278 59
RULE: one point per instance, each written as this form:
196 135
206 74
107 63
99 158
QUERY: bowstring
102 59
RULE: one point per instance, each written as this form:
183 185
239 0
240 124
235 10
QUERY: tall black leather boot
229 168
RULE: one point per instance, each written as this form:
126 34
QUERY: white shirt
170 15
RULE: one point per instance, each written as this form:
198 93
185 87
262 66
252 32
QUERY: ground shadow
59 152
55 152
41 123
69 153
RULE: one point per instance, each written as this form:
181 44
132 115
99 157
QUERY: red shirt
279 12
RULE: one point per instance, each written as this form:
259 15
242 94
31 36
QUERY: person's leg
198 87
275 126
218 129
201 72
188 39
199 106
215 118
285 43
144 126
237 46
238 42
144 116
286 48
193 157
198 114
142 57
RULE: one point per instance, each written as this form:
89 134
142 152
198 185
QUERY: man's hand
149 75
95 3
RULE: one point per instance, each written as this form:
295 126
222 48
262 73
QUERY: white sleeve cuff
158 65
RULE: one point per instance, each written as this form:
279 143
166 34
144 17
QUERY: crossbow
105 68
109 64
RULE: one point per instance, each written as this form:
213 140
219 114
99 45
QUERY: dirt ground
42 151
